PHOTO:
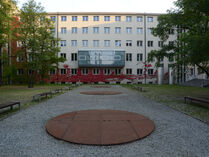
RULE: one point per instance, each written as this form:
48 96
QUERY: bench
10 104
202 100
141 89
54 91
42 95
67 88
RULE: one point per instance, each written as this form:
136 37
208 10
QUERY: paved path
176 134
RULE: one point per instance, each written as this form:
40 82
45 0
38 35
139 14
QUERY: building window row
107 43
96 30
96 71
106 18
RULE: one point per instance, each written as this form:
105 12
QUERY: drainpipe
145 50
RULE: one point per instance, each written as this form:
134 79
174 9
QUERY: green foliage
6 9
39 45
190 20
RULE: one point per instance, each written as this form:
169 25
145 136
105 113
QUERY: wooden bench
141 89
42 95
67 88
202 100
10 104
54 91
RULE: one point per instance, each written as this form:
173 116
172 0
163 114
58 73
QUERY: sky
141 6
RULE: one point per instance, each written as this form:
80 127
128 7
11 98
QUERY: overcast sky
141 6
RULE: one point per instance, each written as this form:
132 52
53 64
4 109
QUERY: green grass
173 96
23 94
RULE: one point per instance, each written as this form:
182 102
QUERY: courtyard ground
23 134
173 96
22 94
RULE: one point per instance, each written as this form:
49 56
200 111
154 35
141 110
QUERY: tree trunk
1 68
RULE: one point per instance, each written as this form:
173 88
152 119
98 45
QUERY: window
107 43
85 30
139 43
129 30
62 71
74 30
84 71
42 18
139 18
63 18
95 30
53 18
73 56
73 71
128 57
107 18
128 42
139 71
129 71
171 58
30 58
106 71
117 30
139 30
128 18
30 72
63 43
107 30
19 71
96 43
63 55
96 18
52 31
118 43
73 42
85 43
149 30
150 43
160 43
52 72
171 43
150 72
171 31
191 71
139 57
20 58
74 18
150 19
85 18
63 30
117 18
117 71
96 71
19 43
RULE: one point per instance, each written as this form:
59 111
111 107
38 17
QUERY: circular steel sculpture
100 86
100 127
100 93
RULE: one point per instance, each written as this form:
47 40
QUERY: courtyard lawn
23 94
173 96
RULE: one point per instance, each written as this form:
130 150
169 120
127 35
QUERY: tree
190 21
39 46
6 17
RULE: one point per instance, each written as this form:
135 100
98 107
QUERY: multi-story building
107 47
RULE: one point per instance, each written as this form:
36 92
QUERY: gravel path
23 134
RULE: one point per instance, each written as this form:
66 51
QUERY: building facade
108 48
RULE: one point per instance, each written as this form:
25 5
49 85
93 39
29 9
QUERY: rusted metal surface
100 92
100 127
